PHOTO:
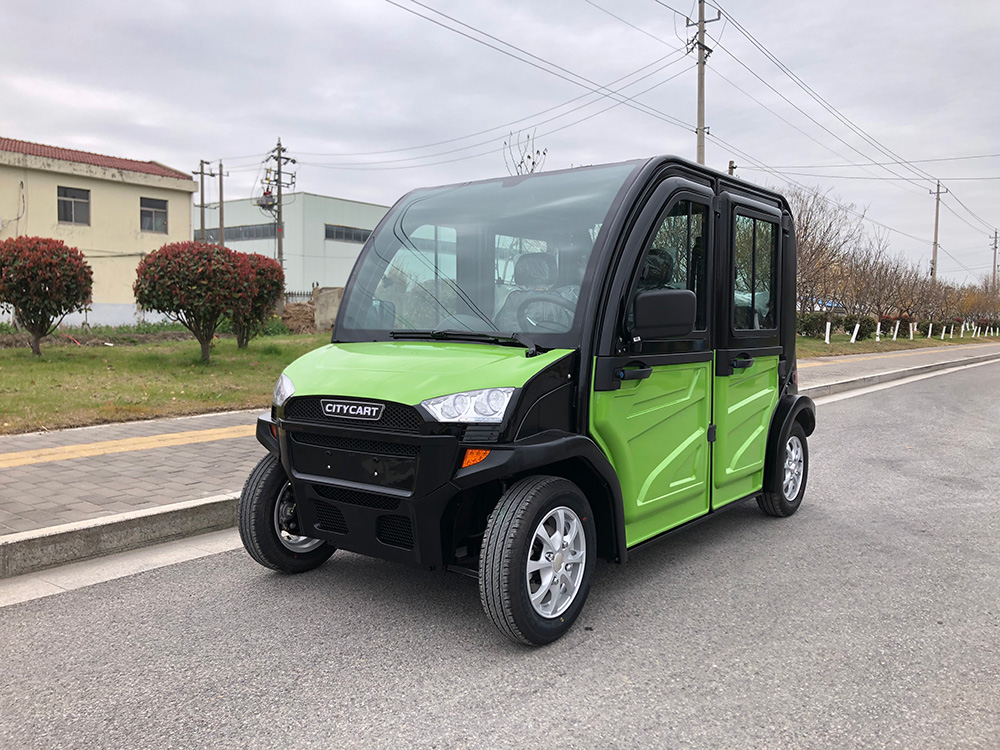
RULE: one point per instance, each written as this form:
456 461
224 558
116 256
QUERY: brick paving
77 489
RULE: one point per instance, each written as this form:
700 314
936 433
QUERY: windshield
509 256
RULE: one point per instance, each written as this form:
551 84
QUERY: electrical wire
533 125
492 150
559 72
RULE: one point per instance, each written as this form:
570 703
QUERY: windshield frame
583 320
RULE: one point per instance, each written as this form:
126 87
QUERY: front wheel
269 525
793 470
537 559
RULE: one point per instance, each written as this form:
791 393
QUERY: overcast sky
358 90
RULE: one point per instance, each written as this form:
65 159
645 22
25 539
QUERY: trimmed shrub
43 280
263 282
194 283
811 324
847 323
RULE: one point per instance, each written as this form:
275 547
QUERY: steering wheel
527 324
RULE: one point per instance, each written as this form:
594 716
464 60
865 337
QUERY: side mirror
664 313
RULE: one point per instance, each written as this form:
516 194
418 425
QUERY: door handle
741 363
640 373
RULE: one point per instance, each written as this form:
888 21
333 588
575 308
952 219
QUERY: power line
493 150
816 97
882 177
565 74
888 163
536 124
503 126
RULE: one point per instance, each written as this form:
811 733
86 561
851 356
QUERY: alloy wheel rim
794 467
557 558
284 513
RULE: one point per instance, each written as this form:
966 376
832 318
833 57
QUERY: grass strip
77 386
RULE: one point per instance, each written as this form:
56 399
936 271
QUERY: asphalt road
869 619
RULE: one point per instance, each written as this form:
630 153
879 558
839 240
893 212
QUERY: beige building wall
113 241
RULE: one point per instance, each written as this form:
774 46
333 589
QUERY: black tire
784 502
264 487
510 540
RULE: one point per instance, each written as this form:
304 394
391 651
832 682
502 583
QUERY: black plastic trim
264 424
790 408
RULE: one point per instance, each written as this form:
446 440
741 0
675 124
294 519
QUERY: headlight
486 406
283 390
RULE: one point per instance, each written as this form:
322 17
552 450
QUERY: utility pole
222 221
703 53
994 261
278 179
732 167
203 174
937 215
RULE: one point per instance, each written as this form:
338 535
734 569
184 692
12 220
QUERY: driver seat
533 273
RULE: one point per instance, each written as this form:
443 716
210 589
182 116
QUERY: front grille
330 518
353 497
397 417
482 433
356 445
396 531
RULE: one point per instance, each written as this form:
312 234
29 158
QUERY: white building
323 235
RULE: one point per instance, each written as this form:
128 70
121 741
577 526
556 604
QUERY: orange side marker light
473 456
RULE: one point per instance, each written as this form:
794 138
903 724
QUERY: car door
747 357
651 404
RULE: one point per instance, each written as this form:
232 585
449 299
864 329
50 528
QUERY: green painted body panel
743 405
409 372
654 431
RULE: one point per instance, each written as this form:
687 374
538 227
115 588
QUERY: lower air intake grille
330 518
356 445
352 497
395 531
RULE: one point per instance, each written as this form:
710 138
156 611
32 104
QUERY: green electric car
532 372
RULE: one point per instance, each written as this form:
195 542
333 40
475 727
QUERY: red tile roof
85 157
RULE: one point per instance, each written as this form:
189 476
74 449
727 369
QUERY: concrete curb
840 386
31 551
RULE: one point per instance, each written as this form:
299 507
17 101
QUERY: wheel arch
791 408
573 457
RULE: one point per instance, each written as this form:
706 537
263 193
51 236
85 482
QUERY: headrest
535 270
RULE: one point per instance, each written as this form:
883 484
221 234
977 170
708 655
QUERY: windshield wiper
455 335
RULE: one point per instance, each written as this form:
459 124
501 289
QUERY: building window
239 233
74 206
152 215
347 234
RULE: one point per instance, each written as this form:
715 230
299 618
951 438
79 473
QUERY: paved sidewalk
38 495
123 472
822 371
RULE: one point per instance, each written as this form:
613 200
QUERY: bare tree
523 157
825 230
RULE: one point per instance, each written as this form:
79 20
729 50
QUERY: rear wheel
269 525
793 470
537 559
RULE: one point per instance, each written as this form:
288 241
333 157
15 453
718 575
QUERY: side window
755 253
675 257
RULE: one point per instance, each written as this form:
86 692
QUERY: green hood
409 372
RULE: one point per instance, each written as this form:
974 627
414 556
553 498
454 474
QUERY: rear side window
675 256
755 253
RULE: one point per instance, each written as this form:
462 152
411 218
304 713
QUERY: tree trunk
36 348
206 349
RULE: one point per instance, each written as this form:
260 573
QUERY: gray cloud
181 81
